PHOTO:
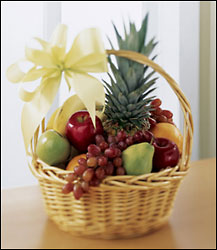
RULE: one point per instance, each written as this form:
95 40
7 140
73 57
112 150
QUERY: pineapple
127 102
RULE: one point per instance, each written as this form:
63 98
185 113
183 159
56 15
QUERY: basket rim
162 178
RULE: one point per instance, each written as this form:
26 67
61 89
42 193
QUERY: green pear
137 159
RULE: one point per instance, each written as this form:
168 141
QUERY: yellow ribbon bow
86 55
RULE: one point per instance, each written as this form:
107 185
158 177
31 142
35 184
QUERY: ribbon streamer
86 55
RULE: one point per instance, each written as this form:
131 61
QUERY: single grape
117 139
113 145
94 149
102 161
88 175
82 161
110 153
129 140
117 162
78 191
67 188
109 169
79 170
92 162
156 103
158 111
100 173
103 146
71 177
117 152
120 171
138 136
99 139
147 135
85 186
152 122
167 113
89 155
111 139
154 117
161 118
121 135
94 182
122 145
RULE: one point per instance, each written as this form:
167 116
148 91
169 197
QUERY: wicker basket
122 206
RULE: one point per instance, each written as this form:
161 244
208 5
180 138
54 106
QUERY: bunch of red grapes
102 159
159 114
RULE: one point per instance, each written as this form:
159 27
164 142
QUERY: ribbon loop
87 54
87 47
14 73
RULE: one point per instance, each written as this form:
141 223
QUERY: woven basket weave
122 206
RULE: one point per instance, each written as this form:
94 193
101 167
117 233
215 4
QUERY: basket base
116 233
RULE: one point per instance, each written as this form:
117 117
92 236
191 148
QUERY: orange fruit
74 162
168 131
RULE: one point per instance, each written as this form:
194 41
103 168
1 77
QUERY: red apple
80 130
166 154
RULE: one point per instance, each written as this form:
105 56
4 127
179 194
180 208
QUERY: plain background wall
213 79
189 67
167 22
17 29
208 79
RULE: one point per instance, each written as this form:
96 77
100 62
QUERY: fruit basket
122 206
126 184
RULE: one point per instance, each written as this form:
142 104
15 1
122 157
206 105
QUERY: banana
52 118
69 107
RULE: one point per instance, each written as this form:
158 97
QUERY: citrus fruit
74 162
168 131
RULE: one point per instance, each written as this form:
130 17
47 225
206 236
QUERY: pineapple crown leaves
120 90
121 83
134 40
126 100
133 72
135 95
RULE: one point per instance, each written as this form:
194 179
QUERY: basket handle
188 120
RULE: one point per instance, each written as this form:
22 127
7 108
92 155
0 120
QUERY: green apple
53 148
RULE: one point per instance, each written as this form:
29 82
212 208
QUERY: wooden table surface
24 224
